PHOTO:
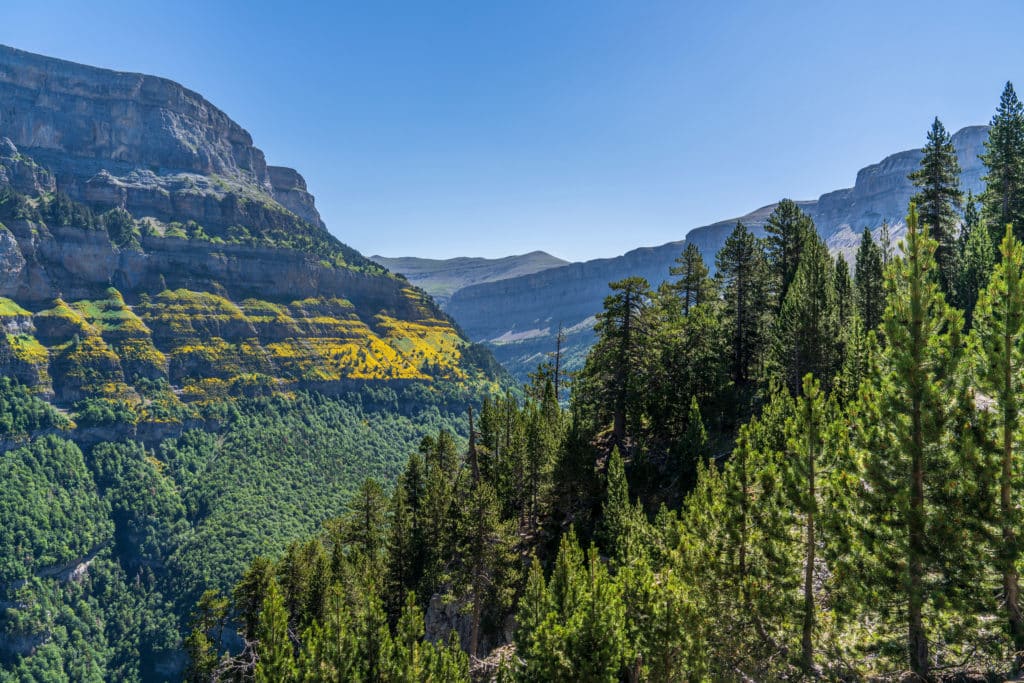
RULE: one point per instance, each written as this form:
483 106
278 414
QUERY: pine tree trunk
1011 588
622 376
743 535
474 633
917 640
806 642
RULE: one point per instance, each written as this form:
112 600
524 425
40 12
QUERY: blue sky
581 128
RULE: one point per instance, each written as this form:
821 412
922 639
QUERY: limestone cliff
140 142
150 256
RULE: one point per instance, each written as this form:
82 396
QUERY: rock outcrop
141 142
519 316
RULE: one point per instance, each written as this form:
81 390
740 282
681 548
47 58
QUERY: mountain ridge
443 277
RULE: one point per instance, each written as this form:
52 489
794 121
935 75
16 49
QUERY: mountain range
517 316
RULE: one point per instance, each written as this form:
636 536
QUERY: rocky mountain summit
150 255
518 317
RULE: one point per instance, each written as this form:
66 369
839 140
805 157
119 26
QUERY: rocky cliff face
519 316
140 142
210 274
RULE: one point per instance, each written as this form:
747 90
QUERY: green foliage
868 282
1003 199
999 330
807 330
939 201
977 257
746 289
922 476
787 229
52 512
693 287
613 376
23 414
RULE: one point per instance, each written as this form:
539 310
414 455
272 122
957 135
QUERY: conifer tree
617 514
806 433
843 287
365 528
485 558
745 277
614 369
913 509
693 286
1003 198
999 325
885 244
695 441
786 230
331 649
976 261
939 201
869 291
807 332
277 656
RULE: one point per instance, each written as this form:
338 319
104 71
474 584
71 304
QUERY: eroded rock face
141 142
289 188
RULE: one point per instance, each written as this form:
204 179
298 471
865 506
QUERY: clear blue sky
581 128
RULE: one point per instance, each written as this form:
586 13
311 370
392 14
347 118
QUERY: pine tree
693 286
1003 198
843 287
976 261
365 528
614 369
276 653
999 325
869 291
330 648
807 332
939 200
745 277
208 619
885 244
485 575
806 436
618 518
786 230
913 512
695 440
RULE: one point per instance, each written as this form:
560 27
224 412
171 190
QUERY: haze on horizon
583 129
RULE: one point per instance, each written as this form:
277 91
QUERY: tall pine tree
939 200
917 509
1003 199
869 290
693 286
786 230
807 328
999 325
745 277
